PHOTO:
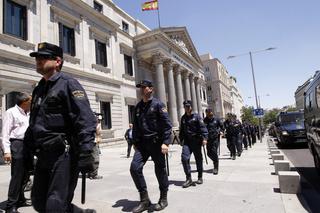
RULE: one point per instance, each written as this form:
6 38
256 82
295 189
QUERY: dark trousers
249 140
55 179
187 149
129 141
212 149
245 141
231 144
96 154
144 150
19 175
254 138
239 143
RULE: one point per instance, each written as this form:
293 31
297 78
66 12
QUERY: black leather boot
144 204
163 201
215 168
188 183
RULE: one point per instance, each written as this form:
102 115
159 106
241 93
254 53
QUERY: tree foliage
247 115
270 116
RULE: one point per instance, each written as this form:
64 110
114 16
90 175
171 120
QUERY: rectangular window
98 7
101 53
204 95
106 115
128 65
125 27
66 39
318 96
15 19
131 113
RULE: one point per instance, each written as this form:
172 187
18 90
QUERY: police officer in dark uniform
193 134
151 137
239 131
214 126
232 134
61 133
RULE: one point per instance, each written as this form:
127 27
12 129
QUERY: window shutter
24 23
61 36
72 40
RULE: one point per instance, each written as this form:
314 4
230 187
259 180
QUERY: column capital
157 58
168 63
185 73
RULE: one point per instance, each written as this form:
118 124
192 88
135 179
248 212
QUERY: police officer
194 134
231 135
151 134
61 133
239 131
214 126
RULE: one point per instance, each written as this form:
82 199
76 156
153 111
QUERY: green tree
270 116
247 115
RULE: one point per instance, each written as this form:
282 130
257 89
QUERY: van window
318 95
306 101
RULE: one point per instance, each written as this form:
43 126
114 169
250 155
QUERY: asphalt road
302 160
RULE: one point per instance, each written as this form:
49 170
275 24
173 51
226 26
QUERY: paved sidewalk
242 185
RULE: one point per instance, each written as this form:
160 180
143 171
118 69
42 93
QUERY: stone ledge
128 77
101 68
16 42
71 59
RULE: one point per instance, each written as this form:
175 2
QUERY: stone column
179 92
198 85
172 104
186 86
160 85
193 94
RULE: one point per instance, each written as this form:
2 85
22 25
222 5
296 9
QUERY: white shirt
14 124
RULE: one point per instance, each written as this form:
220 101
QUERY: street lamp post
254 80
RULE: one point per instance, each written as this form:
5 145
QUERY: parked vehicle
312 118
290 128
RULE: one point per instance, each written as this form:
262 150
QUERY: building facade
236 97
107 50
97 39
218 85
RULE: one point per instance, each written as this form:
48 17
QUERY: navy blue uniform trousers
143 151
187 149
212 149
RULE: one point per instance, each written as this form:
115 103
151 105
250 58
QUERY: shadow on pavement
176 182
293 146
208 171
276 190
128 205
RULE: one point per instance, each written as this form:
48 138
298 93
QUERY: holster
54 143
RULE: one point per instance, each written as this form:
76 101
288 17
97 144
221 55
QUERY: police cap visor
47 49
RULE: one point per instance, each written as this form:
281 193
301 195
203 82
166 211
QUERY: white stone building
218 85
107 50
236 98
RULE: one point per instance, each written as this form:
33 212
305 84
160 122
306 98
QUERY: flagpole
159 15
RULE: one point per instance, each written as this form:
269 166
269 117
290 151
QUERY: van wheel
316 159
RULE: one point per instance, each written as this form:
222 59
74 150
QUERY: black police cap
187 103
144 83
208 110
47 49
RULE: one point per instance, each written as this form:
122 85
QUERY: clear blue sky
232 27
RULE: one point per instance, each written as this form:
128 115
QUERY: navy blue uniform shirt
192 126
214 126
151 120
60 106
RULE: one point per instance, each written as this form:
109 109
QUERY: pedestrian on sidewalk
15 123
61 133
96 149
129 139
253 134
194 135
214 126
232 135
238 128
151 137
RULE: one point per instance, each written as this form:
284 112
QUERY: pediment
181 37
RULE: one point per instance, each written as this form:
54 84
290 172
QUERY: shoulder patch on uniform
78 94
164 109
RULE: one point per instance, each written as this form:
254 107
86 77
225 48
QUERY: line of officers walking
61 134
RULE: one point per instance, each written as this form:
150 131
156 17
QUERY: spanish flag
150 5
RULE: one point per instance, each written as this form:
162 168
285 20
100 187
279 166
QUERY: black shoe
215 168
239 154
188 183
199 181
144 204
163 201
23 203
13 209
233 157
74 208
96 177
28 186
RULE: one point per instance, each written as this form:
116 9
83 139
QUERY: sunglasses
46 57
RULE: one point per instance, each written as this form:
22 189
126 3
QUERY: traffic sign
258 112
